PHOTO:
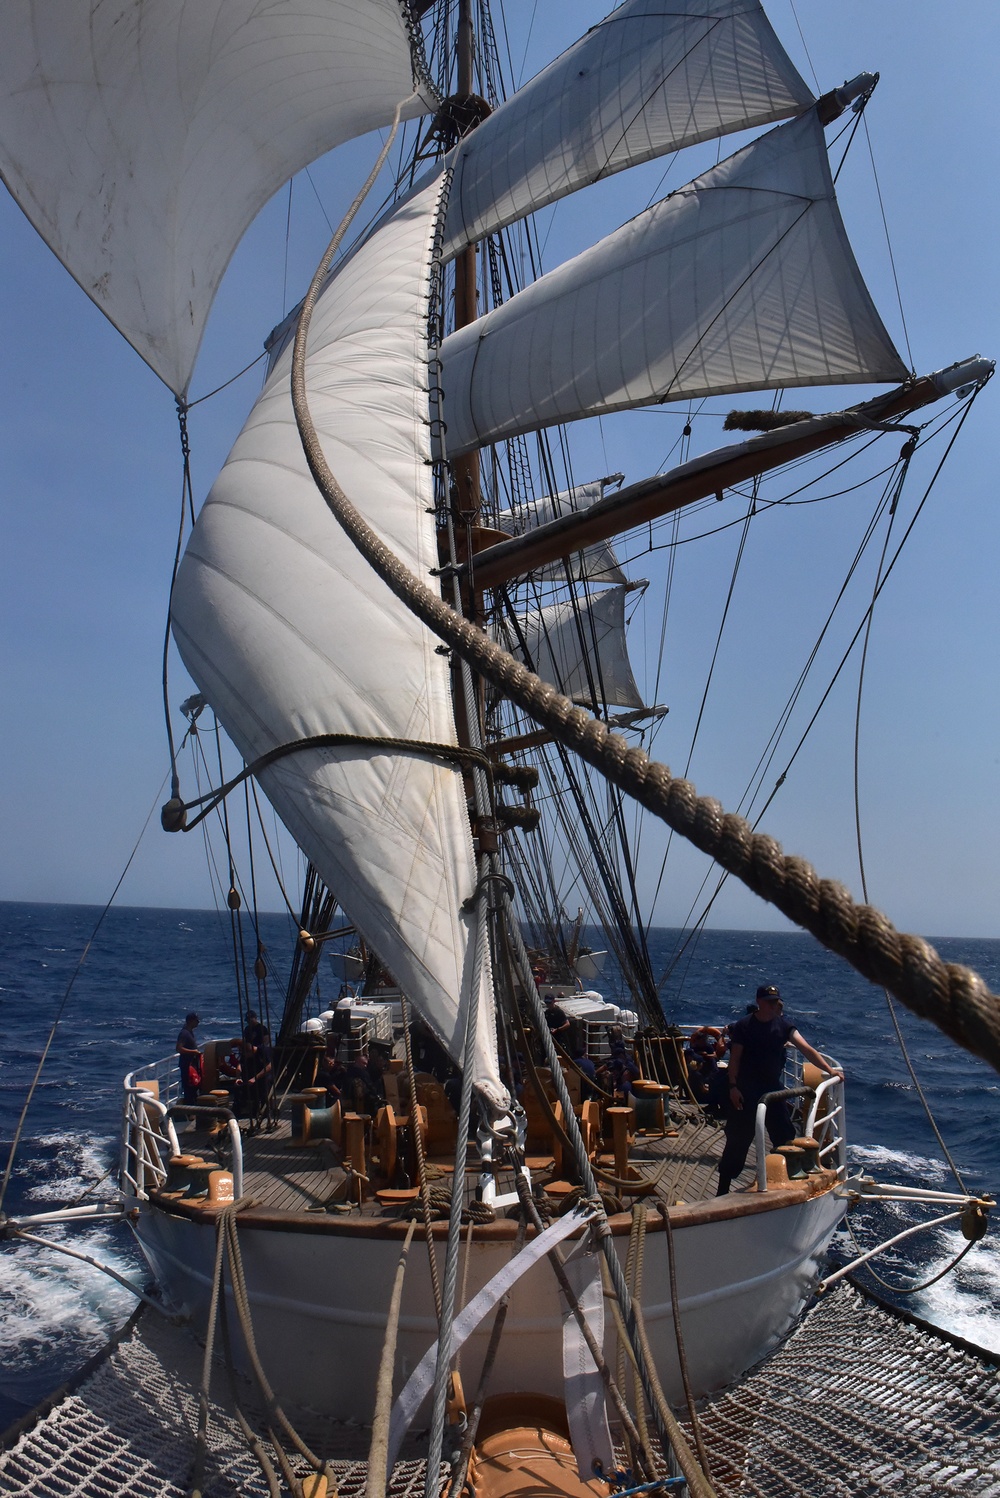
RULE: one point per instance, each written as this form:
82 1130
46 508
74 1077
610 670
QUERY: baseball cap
768 991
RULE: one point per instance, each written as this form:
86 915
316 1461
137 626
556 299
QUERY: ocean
147 968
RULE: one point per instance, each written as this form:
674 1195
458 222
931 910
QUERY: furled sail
743 280
597 563
649 79
579 646
289 633
141 139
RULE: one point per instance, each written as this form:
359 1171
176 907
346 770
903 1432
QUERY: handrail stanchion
762 1105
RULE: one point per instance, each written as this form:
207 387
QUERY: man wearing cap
756 1067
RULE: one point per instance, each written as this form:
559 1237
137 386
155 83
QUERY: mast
466 468
652 498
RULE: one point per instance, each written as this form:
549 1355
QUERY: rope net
855 1404
858 1403
130 1427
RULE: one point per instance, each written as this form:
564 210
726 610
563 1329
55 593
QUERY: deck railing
823 1117
148 1135
151 1098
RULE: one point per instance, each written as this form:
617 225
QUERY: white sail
289 633
744 280
141 139
596 563
649 79
579 646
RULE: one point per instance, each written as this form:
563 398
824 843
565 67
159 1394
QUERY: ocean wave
47 1298
965 1301
66 1164
880 1157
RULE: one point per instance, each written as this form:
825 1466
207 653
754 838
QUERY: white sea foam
966 1301
46 1297
877 1157
80 1161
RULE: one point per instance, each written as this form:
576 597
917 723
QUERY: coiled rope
953 997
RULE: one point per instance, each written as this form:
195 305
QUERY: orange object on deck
523 1451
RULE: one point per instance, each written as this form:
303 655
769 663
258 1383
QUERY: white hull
319 1300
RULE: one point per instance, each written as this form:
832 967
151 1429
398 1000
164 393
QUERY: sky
91 482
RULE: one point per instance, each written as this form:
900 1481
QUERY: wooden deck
284 1177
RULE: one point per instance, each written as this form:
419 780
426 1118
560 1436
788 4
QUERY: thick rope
375 1485
174 814
204 1391
442 1372
418 1147
953 997
594 1348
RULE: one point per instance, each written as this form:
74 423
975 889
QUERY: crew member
557 1020
756 1067
190 1059
364 1087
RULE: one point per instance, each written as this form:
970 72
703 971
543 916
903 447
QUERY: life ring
708 1041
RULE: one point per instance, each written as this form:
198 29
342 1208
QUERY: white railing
827 1127
149 1137
148 1140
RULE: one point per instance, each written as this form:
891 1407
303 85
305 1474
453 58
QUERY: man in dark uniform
364 1088
756 1067
557 1020
190 1059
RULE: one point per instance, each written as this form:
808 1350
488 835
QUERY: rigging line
854 638
233 900
65 998
877 594
767 758
277 874
186 498
861 856
889 496
288 235
319 200
805 48
888 241
905 1289
226 384
174 814
852 125
771 748
708 683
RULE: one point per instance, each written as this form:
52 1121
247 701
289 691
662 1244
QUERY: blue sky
92 486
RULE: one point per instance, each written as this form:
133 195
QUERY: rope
241 1300
667 1428
953 997
204 1388
860 842
472 1425
675 1308
174 813
379 1450
442 1373
418 1146
556 1260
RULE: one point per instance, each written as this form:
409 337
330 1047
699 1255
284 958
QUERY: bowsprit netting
858 1402
130 1427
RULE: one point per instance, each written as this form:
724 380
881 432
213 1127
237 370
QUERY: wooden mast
466 469
702 477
